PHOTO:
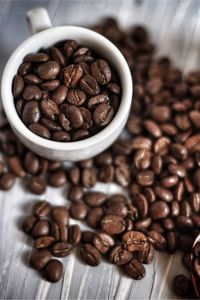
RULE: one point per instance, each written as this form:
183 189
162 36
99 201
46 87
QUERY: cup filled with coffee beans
66 91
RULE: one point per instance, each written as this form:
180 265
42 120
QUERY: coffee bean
89 85
60 214
41 209
161 145
89 177
135 269
32 92
76 97
87 118
53 270
161 113
94 198
152 128
59 95
28 223
96 100
116 207
103 242
194 117
69 47
50 85
177 170
87 237
164 194
75 117
74 234
43 242
119 256
59 232
49 109
184 224
7 181
31 163
25 68
58 56
41 228
58 178
40 130
75 193
61 249
134 241
171 242
48 70
37 185
78 211
103 114
181 285
39 259
146 255
157 240
157 164
101 71
143 224
36 57
90 255
192 143
18 85
145 178
60 136
142 159
94 217
196 249
51 125
71 75
80 134
31 112
113 224
16 166
142 205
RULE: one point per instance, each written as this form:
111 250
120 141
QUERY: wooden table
175 26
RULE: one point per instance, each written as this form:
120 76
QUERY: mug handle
38 19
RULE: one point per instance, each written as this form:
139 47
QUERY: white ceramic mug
71 151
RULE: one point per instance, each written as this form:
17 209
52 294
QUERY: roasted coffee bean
54 165
134 241
36 57
18 85
25 68
75 193
163 194
181 285
103 242
152 128
15 166
31 112
114 88
43 242
60 136
94 198
74 234
161 113
59 232
90 255
48 70
87 237
41 209
155 226
71 75
80 134
116 207
149 194
177 170
50 85
157 240
145 178
142 159
184 224
103 114
179 191
87 118
76 97
28 223
49 109
135 269
169 181
171 242
159 210
51 125
60 214
61 249
39 259
94 217
89 85
57 178
168 224
118 256
113 224
195 202
59 95
75 117
101 71
106 173
37 185
74 175
41 228
78 211
89 177
40 130
161 145
69 47
31 163
32 92
146 255
157 164
196 249
57 56
53 270
96 100
142 205
143 224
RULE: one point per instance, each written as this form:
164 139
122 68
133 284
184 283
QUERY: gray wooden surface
175 26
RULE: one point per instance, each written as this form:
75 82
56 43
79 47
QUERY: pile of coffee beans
157 163
66 92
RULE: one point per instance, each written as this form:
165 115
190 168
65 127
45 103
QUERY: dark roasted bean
135 269
39 259
53 270
90 255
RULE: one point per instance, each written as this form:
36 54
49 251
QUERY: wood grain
174 25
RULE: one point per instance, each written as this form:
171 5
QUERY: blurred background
174 26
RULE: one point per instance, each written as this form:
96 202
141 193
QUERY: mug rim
124 107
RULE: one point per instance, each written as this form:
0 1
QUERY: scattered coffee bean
39 259
135 269
53 270
90 255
